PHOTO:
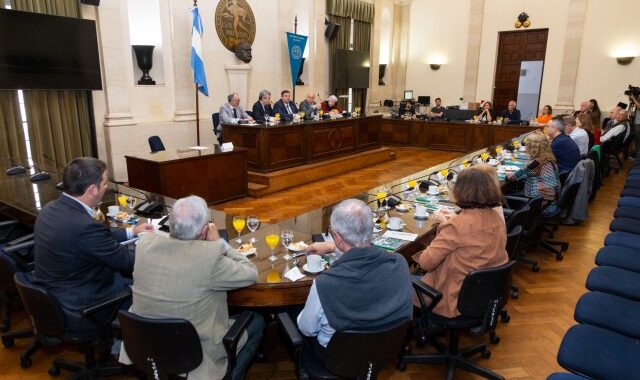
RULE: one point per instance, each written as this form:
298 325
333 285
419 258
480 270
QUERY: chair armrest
21 239
507 212
514 202
7 223
15 247
295 339
232 338
106 303
423 289
16 252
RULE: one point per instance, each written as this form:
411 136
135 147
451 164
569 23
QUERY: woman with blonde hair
540 176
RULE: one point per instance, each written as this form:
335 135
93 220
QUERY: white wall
438 32
608 30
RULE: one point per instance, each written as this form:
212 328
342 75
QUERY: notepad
294 274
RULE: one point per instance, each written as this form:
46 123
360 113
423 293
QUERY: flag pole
195 4
295 30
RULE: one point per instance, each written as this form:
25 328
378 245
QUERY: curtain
12 143
341 12
59 120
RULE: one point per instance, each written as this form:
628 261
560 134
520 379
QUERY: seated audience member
331 105
578 135
485 113
285 106
78 259
540 176
608 122
309 106
545 117
407 110
446 214
262 108
511 115
634 114
584 121
585 107
438 110
621 126
594 111
474 239
351 295
232 112
564 148
187 275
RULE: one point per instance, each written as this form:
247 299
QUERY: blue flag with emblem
197 64
296 44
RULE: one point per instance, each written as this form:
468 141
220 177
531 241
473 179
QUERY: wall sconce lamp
435 66
624 60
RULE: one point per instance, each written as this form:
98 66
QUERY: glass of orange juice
381 195
238 225
272 241
412 183
484 156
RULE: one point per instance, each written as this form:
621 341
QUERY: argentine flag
199 77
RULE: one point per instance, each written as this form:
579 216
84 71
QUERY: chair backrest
216 119
513 241
250 113
568 196
160 347
362 354
484 292
155 144
46 316
518 218
535 214
8 268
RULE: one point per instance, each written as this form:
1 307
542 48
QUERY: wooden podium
214 175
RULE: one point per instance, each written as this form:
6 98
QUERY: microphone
115 191
59 185
15 169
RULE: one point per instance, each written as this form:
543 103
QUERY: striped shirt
541 181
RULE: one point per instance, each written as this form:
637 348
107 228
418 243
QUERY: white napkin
294 274
400 235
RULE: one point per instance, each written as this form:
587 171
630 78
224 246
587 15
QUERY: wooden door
513 48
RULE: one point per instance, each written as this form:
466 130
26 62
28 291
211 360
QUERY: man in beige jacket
187 275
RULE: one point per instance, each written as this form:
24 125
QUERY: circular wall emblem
235 23
296 52
335 139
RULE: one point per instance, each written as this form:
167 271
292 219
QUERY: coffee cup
493 161
113 210
394 223
315 263
421 211
433 190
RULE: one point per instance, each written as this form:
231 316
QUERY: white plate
306 269
294 248
402 208
249 252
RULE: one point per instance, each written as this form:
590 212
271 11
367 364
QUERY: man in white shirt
578 135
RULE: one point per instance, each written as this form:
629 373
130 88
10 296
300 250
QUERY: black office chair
164 348
617 149
513 250
606 149
551 222
155 144
217 128
11 230
349 354
482 295
50 326
530 228
250 113
13 259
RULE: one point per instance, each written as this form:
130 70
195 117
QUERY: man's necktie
289 109
235 114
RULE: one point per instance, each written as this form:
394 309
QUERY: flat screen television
48 52
351 69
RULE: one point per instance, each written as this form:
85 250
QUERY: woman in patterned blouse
540 176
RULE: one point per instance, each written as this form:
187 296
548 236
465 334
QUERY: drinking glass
252 224
131 201
238 224
272 241
286 237
412 183
484 156
383 194
444 173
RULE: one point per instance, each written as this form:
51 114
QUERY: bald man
511 115
309 106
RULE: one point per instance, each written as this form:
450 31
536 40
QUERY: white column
399 48
476 12
184 89
571 56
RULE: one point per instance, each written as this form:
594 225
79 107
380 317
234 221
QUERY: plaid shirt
541 181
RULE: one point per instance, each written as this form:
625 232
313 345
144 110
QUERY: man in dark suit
285 107
262 108
78 259
511 115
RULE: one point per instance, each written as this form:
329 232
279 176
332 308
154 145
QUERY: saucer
306 269
249 252
402 209
430 193
396 229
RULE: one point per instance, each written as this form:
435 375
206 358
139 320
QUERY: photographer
634 118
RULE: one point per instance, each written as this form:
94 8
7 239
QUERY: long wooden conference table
22 199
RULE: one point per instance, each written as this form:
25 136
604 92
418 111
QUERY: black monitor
40 51
424 100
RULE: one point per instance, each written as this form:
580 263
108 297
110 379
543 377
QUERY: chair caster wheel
486 354
535 268
493 340
515 295
401 366
422 341
564 247
7 342
54 371
559 257
25 362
